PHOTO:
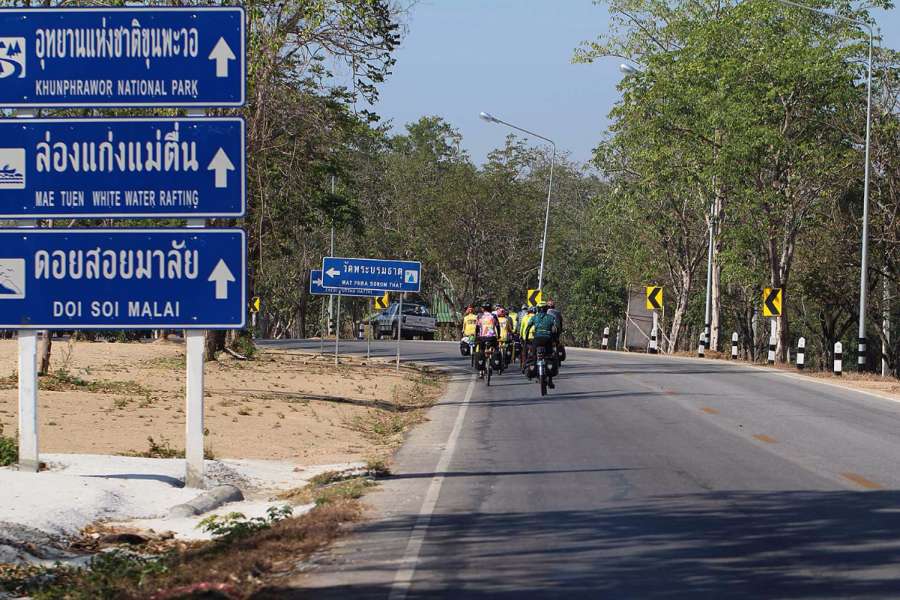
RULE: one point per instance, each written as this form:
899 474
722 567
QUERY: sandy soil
111 397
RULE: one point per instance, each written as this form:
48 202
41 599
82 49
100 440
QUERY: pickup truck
417 322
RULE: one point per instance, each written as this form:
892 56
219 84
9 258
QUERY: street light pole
492 119
864 260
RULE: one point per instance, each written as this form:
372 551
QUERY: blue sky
512 58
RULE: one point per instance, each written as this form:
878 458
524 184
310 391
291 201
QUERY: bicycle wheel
543 383
490 369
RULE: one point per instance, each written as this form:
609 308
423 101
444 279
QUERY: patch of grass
337 486
235 525
235 566
9 449
163 449
175 363
385 427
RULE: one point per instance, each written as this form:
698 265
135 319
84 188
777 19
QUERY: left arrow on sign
221 53
332 272
221 164
221 275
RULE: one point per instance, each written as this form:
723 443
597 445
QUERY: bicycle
488 367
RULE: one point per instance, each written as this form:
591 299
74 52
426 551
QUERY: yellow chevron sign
654 297
534 297
382 302
772 302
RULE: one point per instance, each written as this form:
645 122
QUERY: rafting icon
12 168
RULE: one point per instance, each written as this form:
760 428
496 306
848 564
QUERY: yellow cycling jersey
469 322
504 328
525 320
514 320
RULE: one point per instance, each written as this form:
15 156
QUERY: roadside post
801 353
190 168
605 343
654 303
374 277
734 345
772 308
838 358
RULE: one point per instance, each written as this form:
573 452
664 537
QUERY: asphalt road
638 477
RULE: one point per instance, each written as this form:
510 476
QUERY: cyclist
506 331
487 331
557 315
524 336
468 336
469 322
543 325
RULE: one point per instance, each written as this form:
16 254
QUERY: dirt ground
109 398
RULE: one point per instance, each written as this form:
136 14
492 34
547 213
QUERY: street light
864 261
492 119
628 69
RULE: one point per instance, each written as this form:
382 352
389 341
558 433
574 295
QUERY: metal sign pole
399 329
195 349
337 330
195 344
369 333
29 459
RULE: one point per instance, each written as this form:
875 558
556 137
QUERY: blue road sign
114 168
122 278
121 57
317 289
372 274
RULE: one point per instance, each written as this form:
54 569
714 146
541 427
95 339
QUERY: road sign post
195 351
127 57
122 168
399 329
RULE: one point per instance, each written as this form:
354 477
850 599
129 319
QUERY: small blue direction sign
121 57
372 274
122 278
317 289
114 168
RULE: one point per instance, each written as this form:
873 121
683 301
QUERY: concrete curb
207 501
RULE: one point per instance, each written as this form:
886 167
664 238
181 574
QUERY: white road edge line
763 369
403 578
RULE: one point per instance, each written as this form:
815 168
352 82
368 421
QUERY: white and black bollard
361 331
653 342
734 345
605 343
861 357
701 349
772 344
801 353
838 358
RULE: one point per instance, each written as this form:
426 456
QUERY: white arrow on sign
332 272
221 53
221 164
222 275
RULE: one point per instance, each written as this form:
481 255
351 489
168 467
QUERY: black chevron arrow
770 301
653 297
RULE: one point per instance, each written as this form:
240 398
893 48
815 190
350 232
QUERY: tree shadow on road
714 545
